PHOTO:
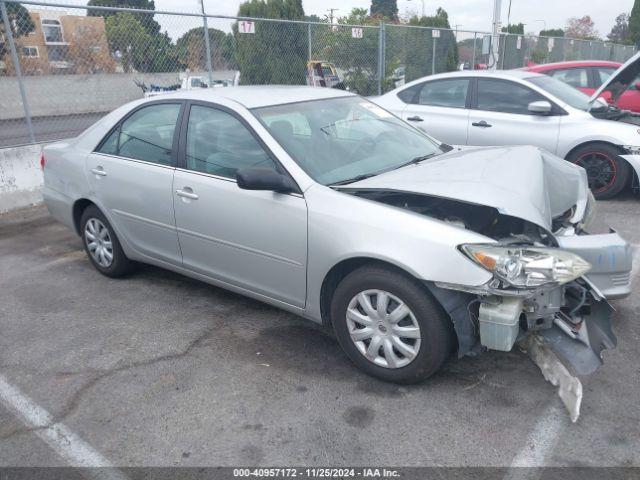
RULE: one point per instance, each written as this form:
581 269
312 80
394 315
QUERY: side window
505 96
445 93
576 77
408 94
604 74
219 144
146 135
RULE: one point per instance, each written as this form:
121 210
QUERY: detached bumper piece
562 354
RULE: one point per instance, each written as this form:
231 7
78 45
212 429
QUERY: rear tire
102 245
392 353
607 172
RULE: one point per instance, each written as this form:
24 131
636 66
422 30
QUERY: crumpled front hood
521 181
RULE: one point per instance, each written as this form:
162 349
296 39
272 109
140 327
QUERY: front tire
607 172
390 326
102 245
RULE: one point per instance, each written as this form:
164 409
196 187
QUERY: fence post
309 40
434 40
381 54
207 43
16 66
473 55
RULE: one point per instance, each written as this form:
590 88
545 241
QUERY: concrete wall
50 95
20 177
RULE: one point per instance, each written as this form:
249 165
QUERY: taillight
42 161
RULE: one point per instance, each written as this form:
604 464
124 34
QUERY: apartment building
62 43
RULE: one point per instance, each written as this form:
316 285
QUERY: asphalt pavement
160 370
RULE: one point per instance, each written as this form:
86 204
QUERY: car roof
508 74
259 95
572 64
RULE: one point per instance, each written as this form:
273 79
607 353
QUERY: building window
30 52
58 53
52 31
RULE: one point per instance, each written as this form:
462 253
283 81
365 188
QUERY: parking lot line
69 446
540 442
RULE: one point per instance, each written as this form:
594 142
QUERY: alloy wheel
383 328
99 244
601 170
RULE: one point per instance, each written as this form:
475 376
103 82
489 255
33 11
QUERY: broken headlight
527 267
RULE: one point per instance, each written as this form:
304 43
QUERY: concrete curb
20 177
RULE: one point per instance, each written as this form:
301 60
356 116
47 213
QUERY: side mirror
252 178
541 107
637 85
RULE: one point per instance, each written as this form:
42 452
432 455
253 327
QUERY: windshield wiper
353 180
418 159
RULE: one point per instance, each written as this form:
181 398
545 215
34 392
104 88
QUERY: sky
467 14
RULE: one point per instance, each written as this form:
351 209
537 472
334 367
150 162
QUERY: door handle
187 193
415 118
99 171
481 124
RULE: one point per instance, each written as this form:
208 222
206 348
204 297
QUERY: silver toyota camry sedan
324 204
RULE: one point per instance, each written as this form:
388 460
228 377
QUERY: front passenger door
501 116
255 240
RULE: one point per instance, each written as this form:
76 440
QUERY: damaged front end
552 301
549 290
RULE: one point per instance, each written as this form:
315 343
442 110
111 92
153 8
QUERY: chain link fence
64 66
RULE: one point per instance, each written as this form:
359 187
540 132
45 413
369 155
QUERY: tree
582 28
634 24
137 49
552 32
516 28
620 31
192 51
276 52
384 8
146 19
417 46
21 24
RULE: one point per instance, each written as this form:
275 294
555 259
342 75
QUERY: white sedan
517 107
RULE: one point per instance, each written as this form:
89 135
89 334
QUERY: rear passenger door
500 116
131 175
439 108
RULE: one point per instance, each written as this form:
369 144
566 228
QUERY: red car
588 76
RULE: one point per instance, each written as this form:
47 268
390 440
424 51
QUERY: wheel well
341 270
78 208
593 142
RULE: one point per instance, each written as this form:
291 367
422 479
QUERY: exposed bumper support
570 388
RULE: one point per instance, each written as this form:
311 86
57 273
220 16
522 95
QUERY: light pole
544 23
495 34
421 1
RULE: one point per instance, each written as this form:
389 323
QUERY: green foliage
634 24
277 52
620 30
552 32
192 52
387 9
20 21
138 49
417 46
516 28
146 20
